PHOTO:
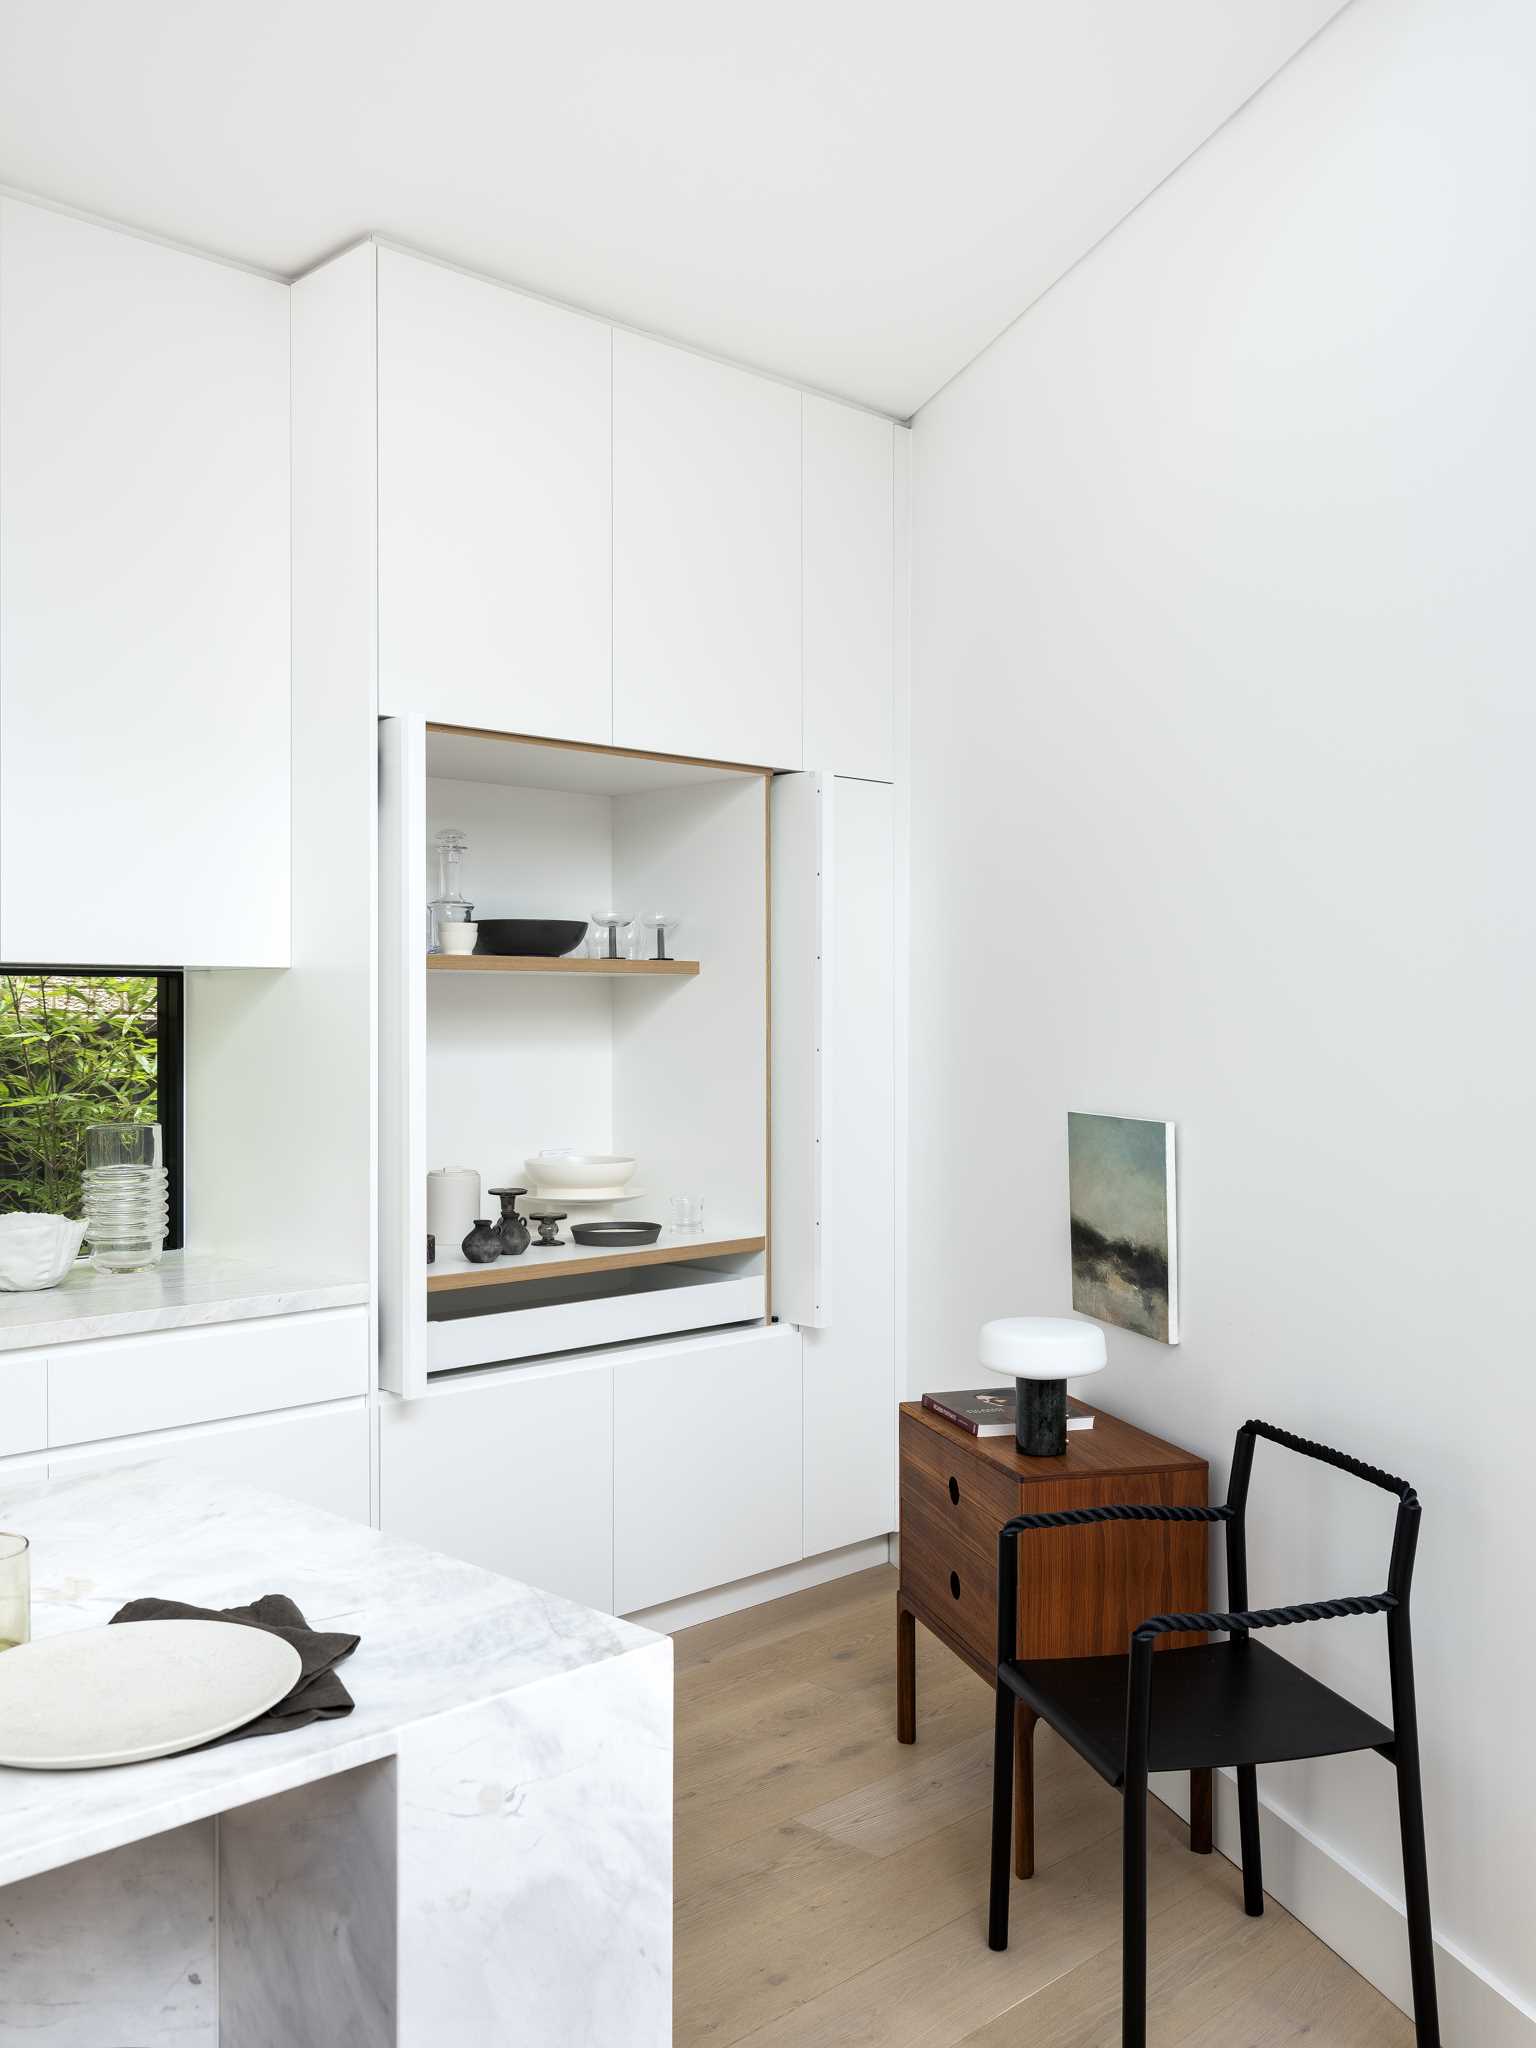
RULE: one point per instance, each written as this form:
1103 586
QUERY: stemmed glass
663 923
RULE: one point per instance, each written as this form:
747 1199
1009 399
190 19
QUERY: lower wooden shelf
562 1261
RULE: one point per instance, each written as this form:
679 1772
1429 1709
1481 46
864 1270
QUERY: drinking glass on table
15 1590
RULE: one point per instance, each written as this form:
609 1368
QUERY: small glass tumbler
124 1193
15 1590
686 1214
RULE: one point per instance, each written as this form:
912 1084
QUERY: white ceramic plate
547 1198
134 1690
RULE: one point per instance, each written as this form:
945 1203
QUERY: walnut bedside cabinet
1081 1591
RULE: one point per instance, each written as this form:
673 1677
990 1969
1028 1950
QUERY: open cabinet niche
498 1060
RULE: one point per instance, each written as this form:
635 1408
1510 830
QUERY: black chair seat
1235 1702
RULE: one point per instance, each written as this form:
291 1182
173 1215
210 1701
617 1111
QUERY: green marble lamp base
1040 1418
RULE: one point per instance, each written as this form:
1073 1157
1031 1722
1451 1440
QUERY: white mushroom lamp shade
1040 1354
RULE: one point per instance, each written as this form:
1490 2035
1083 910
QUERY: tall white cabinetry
639 615
144 577
495 496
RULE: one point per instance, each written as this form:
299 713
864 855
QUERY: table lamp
1040 1354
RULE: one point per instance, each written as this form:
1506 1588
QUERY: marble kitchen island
480 1854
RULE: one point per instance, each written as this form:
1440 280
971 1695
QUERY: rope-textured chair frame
1237 1621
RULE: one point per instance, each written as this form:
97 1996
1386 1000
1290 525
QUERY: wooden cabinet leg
906 1676
1023 1791
1200 1838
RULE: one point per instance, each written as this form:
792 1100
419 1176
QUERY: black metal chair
1234 1703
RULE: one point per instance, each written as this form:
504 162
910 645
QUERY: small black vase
483 1242
512 1230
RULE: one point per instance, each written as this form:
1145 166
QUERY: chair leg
1421 1938
1133 1992
1024 1719
1201 1840
1002 1819
906 1675
1248 1830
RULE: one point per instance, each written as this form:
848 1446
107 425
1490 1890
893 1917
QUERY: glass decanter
449 905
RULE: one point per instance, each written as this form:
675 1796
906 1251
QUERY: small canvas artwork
1124 1219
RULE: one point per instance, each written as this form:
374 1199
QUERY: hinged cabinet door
706 558
834 1130
850 1374
144 630
802 968
706 1464
402 1055
495 505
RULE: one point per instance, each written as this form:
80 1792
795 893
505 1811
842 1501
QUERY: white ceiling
855 194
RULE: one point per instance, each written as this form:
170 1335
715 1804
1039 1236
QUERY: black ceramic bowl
609 1235
543 938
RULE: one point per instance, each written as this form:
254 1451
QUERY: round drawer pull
954 1584
954 1492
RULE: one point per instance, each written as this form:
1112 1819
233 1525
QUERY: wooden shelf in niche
518 963
541 1262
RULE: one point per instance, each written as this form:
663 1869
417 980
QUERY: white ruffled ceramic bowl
37 1251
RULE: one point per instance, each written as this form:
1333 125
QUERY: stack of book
985 1412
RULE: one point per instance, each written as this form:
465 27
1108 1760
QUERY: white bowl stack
581 1176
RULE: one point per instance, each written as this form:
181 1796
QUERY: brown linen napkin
318 1694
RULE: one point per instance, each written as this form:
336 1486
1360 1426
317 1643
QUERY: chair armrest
1076 1518
1263 1617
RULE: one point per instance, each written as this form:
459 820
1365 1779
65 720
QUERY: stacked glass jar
125 1196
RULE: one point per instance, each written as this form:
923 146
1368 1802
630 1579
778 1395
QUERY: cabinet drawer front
23 1404
122 1386
953 1580
951 1482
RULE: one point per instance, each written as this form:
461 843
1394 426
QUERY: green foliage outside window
75 1049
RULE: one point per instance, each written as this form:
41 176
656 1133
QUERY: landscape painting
1124 1221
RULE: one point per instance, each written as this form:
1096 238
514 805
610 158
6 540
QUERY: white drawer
23 1402
121 1386
693 1298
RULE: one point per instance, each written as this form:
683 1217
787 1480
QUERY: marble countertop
184 1290
437 1636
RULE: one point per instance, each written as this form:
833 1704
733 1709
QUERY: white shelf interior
673 1071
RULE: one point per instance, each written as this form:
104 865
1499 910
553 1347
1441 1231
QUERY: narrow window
79 1046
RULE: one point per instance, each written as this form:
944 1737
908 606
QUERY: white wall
1222 735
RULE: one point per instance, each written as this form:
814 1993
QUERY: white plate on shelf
550 1199
134 1690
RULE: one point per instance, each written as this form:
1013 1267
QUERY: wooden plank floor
831 1883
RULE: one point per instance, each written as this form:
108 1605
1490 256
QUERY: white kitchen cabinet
834 1111
144 610
849 590
23 1402
321 1459
166 1379
510 1470
495 498
706 1473
706 558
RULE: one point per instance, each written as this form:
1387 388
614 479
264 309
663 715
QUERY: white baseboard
1345 1908
672 1615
